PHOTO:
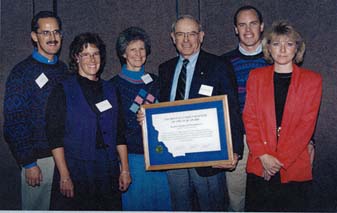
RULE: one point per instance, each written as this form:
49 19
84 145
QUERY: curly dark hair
129 35
82 41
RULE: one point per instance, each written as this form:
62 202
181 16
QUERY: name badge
147 78
41 80
206 90
103 105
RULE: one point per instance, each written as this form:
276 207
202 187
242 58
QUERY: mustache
53 42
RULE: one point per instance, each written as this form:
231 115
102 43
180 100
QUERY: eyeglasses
88 56
190 35
46 33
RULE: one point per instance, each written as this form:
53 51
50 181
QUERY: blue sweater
242 66
134 92
24 108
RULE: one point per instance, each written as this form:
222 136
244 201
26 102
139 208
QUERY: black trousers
274 196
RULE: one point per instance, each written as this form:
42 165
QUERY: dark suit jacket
212 71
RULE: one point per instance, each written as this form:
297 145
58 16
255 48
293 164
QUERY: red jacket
298 121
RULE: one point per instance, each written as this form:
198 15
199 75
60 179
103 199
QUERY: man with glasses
27 89
194 74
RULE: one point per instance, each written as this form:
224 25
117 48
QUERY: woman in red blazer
280 114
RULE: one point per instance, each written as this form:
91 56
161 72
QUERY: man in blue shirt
198 188
27 89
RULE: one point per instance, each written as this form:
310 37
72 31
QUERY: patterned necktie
180 93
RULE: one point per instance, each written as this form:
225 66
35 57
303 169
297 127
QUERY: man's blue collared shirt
189 75
37 56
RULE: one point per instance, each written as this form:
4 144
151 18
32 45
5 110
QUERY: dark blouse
281 86
56 112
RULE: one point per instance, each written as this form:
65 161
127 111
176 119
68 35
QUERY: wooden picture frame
188 133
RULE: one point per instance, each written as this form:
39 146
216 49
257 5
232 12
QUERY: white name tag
147 78
206 90
103 105
41 80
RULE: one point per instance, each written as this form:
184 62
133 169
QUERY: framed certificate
188 133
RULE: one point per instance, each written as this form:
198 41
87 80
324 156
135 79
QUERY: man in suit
198 188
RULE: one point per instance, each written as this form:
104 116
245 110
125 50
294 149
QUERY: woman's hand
266 176
66 187
140 117
271 164
124 181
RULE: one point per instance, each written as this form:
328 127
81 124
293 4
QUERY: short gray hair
129 35
186 16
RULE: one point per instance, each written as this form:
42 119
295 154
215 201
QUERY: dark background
315 19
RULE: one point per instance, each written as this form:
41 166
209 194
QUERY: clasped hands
271 166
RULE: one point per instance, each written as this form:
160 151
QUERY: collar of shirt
37 56
258 50
134 75
189 74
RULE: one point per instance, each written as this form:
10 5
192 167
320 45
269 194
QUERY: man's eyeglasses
88 56
46 33
190 35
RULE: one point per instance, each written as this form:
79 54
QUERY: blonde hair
283 28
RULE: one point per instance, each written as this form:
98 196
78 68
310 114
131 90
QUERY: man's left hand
33 176
231 166
311 150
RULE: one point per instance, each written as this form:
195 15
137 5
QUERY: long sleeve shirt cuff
28 166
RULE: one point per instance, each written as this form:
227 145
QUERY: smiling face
283 50
89 62
135 55
249 29
47 44
187 37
